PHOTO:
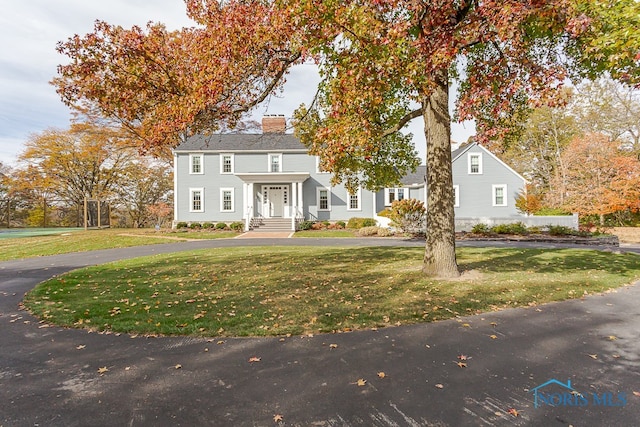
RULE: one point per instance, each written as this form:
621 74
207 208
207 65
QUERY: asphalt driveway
409 376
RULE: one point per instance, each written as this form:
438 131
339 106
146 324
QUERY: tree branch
274 82
403 121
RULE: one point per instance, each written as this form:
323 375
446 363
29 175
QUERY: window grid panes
354 202
196 201
474 163
275 163
196 164
226 164
394 194
499 196
324 200
227 200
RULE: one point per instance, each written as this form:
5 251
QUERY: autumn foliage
407 214
603 177
165 85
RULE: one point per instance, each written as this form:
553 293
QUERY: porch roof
273 177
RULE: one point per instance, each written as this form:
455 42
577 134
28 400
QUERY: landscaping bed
601 240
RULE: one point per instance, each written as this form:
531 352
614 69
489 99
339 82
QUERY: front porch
273 196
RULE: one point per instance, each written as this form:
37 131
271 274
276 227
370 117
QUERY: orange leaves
254 359
164 83
361 382
601 178
462 360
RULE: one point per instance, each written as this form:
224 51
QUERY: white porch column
293 209
249 210
374 214
300 199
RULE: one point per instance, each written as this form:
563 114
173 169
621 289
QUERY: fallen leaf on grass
103 370
277 418
254 359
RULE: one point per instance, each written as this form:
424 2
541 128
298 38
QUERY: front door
275 200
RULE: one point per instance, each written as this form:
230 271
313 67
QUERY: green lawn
326 233
91 240
257 291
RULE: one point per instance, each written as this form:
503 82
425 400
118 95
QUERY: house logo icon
569 396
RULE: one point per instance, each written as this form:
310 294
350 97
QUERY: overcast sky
29 31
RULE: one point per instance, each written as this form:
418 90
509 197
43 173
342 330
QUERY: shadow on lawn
545 260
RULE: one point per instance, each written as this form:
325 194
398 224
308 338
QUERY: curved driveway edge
51 376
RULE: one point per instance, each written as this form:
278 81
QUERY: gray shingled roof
416 177
242 142
460 150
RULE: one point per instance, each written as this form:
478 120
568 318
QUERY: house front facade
257 178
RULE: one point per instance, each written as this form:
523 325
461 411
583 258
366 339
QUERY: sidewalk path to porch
266 235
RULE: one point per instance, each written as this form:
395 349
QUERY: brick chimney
274 124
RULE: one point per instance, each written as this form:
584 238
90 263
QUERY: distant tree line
59 169
581 156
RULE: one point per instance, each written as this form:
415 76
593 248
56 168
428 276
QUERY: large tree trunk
440 250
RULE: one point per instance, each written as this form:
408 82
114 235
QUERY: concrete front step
273 224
